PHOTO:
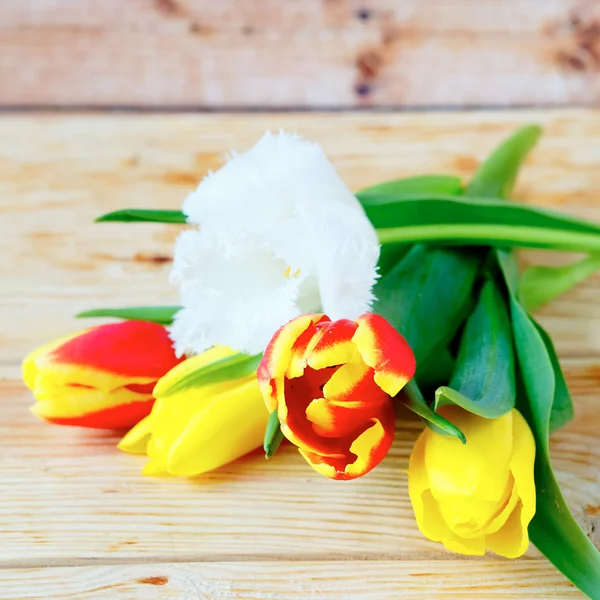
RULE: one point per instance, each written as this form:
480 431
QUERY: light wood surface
299 53
77 520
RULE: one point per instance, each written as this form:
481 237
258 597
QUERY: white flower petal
279 234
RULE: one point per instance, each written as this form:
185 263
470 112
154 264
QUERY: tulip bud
195 428
478 495
101 377
332 383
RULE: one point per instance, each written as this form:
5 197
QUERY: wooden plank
71 498
57 173
373 580
299 53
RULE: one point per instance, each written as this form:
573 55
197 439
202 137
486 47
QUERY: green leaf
427 295
390 213
496 176
492 235
411 186
134 215
235 366
157 314
562 411
414 401
273 435
484 380
539 285
437 372
553 529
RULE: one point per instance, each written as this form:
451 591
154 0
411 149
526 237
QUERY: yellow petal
135 441
157 463
478 469
173 410
30 363
511 540
470 518
229 426
427 512
70 402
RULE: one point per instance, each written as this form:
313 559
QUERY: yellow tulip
478 495
191 429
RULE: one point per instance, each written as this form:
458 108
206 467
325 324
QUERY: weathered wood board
299 53
77 520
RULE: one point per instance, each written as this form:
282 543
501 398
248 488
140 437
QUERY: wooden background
77 519
299 53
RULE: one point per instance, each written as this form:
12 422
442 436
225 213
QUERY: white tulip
279 235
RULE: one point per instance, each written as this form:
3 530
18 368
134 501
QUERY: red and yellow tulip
101 377
332 383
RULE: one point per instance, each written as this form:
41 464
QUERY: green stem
495 235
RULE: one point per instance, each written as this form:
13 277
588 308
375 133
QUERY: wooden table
77 520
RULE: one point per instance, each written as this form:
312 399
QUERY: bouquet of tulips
308 311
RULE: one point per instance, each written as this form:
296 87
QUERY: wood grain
299 53
78 519
283 580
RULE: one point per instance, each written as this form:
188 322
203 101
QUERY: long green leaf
492 235
484 380
134 215
437 372
497 174
562 411
539 284
420 185
389 212
553 529
157 314
235 366
426 296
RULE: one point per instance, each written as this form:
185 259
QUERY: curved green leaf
484 379
427 295
497 174
539 284
414 401
157 314
134 215
562 411
235 366
553 529
390 212
411 186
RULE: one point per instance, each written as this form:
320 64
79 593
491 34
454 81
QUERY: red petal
386 351
129 348
116 417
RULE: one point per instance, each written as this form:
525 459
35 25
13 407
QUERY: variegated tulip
332 384
101 377
476 495
194 428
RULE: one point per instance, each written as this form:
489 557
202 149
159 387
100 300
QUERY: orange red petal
386 351
129 348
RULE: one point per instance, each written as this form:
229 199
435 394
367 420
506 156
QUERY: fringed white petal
279 235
